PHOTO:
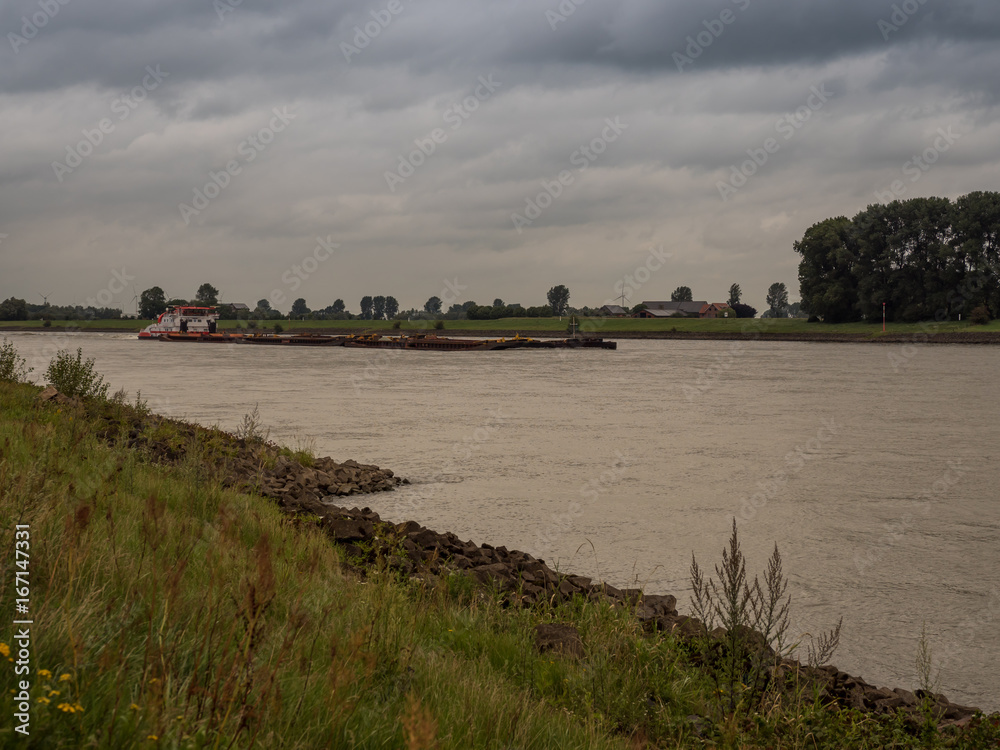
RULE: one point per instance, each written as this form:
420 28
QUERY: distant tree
637 308
777 300
828 280
922 257
979 316
391 307
488 312
681 294
100 313
152 302
176 301
466 306
226 312
498 302
558 297
744 311
336 311
13 309
299 308
263 304
207 295
735 294
433 305
366 307
542 311
378 307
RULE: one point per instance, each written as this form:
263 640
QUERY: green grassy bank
171 612
597 326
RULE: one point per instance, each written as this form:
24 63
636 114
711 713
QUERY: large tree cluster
379 308
925 258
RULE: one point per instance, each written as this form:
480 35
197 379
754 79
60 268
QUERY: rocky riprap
853 692
306 488
426 555
420 552
248 465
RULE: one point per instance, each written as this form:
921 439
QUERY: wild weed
13 368
746 624
76 376
928 684
821 650
252 428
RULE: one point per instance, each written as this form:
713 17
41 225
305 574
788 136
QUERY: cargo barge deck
420 342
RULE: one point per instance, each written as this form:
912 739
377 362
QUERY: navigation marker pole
883 317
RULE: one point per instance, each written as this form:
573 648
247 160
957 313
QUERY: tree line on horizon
154 301
924 258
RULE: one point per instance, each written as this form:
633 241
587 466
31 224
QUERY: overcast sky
319 109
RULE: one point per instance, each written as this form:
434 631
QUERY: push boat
187 323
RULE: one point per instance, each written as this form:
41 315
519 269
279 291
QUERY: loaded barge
199 325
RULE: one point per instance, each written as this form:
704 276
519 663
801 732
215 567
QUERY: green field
596 326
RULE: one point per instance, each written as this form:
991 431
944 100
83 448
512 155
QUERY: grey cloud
325 174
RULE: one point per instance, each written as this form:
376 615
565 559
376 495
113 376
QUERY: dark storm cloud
699 85
94 42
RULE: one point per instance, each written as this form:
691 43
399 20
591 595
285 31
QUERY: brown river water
874 468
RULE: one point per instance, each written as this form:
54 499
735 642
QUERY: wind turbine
622 296
45 298
135 299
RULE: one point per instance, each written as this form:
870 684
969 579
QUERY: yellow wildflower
65 678
43 699
4 649
44 673
78 707
134 706
152 737
53 692
65 707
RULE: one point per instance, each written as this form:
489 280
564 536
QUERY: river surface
873 468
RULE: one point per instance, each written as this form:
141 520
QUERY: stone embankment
304 488
521 579
247 464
